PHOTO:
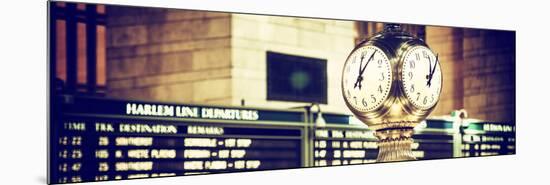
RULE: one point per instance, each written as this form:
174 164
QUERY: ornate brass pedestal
395 144
395 141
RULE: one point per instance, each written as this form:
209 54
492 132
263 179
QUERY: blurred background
185 56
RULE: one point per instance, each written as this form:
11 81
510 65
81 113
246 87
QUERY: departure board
342 145
430 145
351 144
488 138
439 138
102 144
97 139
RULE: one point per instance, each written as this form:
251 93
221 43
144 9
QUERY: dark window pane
296 78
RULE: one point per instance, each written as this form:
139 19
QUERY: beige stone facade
216 58
169 55
253 36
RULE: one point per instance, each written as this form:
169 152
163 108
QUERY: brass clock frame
374 116
393 121
414 113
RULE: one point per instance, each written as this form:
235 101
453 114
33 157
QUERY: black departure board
488 138
97 139
105 144
429 145
342 145
439 138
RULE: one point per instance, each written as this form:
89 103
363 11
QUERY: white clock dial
367 78
421 77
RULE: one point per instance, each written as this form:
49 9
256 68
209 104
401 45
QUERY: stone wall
478 71
489 74
447 43
168 55
204 57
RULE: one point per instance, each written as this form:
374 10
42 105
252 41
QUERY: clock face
367 78
421 77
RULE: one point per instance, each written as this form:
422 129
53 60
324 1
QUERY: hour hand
359 75
358 82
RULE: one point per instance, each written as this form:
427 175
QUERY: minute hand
365 67
432 71
361 70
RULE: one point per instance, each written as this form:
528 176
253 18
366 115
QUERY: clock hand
429 72
436 61
362 70
370 58
361 63
359 77
432 71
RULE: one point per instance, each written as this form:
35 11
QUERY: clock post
395 141
412 93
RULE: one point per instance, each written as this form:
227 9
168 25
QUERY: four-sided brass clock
391 82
